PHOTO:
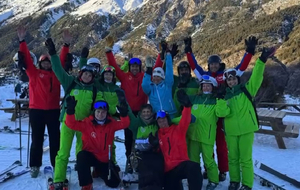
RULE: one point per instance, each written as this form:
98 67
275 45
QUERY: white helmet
206 79
158 71
231 73
95 63
33 57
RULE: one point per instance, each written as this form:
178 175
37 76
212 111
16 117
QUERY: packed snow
265 150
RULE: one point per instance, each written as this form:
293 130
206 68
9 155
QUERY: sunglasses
161 114
135 61
100 105
230 74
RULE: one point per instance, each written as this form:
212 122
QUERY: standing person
44 98
201 135
131 83
216 69
171 139
240 121
85 92
98 131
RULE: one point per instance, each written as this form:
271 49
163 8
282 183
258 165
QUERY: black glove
188 45
174 50
123 109
153 140
50 46
68 62
183 98
71 104
21 61
267 53
221 91
251 44
164 48
84 52
121 96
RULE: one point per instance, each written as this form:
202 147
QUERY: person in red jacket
98 133
131 83
44 102
171 140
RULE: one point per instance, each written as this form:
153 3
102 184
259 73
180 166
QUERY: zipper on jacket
105 141
252 117
50 84
171 104
209 131
158 97
169 146
138 88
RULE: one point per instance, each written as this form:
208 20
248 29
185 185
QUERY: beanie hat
158 71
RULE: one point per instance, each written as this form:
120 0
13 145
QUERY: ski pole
109 163
28 143
20 126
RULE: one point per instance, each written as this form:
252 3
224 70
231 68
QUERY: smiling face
207 88
108 77
214 67
184 71
156 79
162 122
100 114
134 69
86 77
232 81
146 113
46 65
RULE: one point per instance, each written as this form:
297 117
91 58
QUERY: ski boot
34 171
205 175
244 187
222 176
59 186
211 186
234 186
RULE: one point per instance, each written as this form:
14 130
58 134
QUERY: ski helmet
94 62
183 64
111 69
135 61
214 59
158 71
88 68
206 79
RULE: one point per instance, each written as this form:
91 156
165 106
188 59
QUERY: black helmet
214 59
183 64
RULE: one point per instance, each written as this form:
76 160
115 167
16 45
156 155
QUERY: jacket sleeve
125 66
244 62
82 62
256 78
31 70
158 62
185 120
112 61
123 124
169 76
176 120
194 65
222 110
73 124
146 84
133 122
63 55
64 78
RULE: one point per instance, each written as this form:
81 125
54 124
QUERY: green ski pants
240 158
195 148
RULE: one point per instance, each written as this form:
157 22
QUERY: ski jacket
95 137
237 110
219 74
160 95
205 127
83 93
172 141
110 96
44 87
131 84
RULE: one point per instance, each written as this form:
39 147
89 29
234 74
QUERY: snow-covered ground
265 150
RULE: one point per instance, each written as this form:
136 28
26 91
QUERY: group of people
169 121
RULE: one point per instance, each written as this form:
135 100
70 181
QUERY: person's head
108 74
44 62
146 111
158 75
214 62
87 74
163 119
208 84
231 77
95 63
135 65
101 110
183 68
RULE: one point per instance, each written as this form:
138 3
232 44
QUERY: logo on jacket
93 134
76 92
220 78
195 107
41 75
143 129
160 142
130 77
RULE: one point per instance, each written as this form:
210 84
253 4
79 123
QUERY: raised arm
112 61
250 43
123 111
185 120
73 124
146 84
169 78
158 62
65 49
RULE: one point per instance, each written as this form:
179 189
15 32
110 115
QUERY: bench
281 106
273 119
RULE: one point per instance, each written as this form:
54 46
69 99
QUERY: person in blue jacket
159 90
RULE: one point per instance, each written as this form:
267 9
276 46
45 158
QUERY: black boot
222 176
234 186
244 187
205 175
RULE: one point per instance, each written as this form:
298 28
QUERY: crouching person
172 143
97 136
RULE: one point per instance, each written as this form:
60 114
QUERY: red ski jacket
131 84
44 87
172 141
95 137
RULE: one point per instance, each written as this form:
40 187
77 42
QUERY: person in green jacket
240 121
201 135
85 93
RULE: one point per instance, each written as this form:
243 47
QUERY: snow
264 149
5 15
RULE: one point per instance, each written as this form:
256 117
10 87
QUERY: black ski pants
129 138
38 121
185 170
84 162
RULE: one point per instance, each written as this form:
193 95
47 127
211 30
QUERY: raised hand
251 44
67 36
21 31
50 46
267 53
